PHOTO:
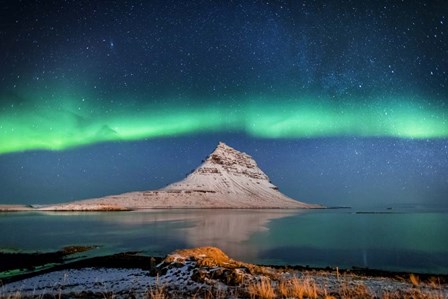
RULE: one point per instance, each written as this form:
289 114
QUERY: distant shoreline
87 208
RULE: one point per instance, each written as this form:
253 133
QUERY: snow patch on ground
94 280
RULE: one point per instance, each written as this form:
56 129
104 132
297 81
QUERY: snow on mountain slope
226 179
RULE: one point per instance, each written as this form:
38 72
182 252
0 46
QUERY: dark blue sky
340 102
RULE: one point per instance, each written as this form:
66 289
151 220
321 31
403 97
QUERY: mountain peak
222 145
226 167
227 157
223 149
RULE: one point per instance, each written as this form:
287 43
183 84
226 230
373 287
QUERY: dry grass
16 295
261 290
354 291
302 288
215 294
415 294
264 289
283 289
415 280
291 288
305 288
295 287
158 291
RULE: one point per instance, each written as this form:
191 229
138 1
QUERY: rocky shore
207 272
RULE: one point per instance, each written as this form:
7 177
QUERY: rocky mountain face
226 179
226 170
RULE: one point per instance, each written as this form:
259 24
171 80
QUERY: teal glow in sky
66 122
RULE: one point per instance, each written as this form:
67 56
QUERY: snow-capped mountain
226 179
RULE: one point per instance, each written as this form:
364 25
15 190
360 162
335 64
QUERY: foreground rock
226 179
206 265
207 272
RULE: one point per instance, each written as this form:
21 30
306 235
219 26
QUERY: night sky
340 102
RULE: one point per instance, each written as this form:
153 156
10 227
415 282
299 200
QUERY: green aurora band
68 123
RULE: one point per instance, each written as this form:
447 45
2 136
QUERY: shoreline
133 260
95 208
71 257
207 272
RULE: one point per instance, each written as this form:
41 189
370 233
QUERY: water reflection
227 229
414 242
152 231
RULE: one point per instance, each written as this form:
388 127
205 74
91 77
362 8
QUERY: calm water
404 240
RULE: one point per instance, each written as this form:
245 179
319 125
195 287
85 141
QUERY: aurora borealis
66 124
79 76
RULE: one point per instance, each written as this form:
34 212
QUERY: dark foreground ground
18 266
199 273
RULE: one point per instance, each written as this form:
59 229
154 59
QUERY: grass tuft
158 292
415 280
354 291
297 288
261 290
